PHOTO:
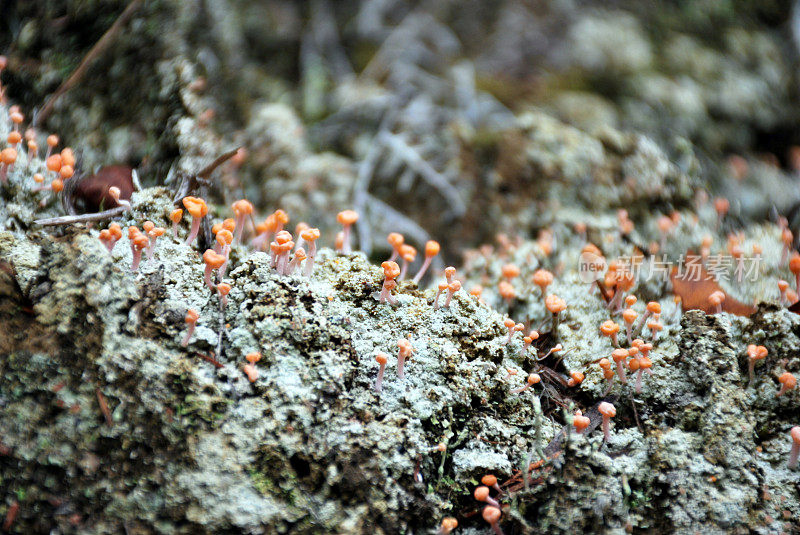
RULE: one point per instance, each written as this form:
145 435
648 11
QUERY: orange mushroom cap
283 237
9 156
481 493
395 239
755 352
607 409
716 298
608 328
382 358
492 514
576 378
140 241
52 140
347 217
224 288
115 230
310 235
408 253
196 206
510 271
506 290
213 259
794 263
301 227
542 278
66 172
489 480
280 217
242 207
629 315
14 137
654 307
580 421
654 326
390 269
555 304
432 248
68 157
224 237
251 372
448 524
54 162
619 354
787 380
191 316
176 215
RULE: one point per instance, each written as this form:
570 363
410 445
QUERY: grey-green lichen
193 447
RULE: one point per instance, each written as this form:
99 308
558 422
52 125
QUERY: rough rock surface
109 425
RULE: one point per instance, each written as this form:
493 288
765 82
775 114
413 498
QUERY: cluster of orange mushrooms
57 166
289 253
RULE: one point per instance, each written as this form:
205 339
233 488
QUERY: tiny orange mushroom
191 320
198 209
787 381
610 328
431 250
346 218
754 353
212 260
580 421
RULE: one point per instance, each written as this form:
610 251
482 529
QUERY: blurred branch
99 47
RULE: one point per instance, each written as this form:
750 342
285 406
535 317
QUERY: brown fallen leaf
695 285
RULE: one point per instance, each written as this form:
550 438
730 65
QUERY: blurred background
456 120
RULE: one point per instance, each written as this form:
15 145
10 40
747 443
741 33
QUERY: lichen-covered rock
606 126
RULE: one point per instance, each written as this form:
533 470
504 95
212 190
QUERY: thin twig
79 73
207 170
198 183
82 218
212 360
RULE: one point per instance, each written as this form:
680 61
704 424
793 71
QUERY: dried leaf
694 286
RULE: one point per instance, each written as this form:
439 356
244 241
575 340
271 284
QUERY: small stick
82 218
212 360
